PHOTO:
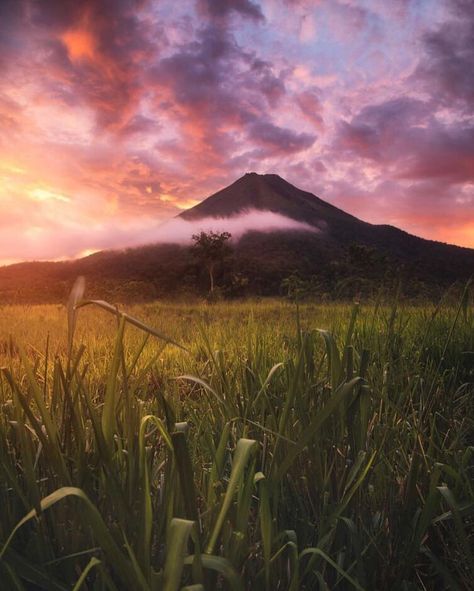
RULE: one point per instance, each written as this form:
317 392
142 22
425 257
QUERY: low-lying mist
75 243
180 230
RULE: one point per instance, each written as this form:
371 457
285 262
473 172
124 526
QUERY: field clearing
227 325
284 457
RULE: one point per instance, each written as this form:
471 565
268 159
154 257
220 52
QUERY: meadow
251 445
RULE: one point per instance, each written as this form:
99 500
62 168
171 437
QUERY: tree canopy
211 248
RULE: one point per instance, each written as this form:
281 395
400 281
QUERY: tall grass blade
243 451
178 537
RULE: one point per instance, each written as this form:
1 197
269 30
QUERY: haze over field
115 116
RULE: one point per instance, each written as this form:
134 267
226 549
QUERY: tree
211 248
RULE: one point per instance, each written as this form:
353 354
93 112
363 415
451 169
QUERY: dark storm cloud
197 71
214 68
269 85
440 152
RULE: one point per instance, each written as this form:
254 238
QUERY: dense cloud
377 131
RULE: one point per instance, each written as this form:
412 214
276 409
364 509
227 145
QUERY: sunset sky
117 114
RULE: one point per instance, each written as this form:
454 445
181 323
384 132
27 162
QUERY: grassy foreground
329 449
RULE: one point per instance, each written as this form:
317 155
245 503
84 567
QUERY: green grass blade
131 320
178 537
221 566
186 474
334 564
109 424
93 562
312 432
242 454
93 517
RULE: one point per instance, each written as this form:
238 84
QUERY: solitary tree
211 248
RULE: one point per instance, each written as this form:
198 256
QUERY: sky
115 115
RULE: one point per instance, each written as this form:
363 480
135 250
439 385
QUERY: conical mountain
267 192
270 192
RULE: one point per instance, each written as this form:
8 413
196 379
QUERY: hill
343 257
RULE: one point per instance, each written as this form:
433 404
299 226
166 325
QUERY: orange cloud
80 44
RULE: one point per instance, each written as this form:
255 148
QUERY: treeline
291 265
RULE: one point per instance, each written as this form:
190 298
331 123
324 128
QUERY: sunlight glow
186 204
40 194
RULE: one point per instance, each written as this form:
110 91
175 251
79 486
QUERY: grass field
329 448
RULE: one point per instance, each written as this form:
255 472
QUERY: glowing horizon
116 116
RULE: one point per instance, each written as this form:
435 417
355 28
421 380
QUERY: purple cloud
405 134
278 140
447 66
222 8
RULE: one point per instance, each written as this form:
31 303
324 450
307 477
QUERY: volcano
267 192
270 192
330 249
